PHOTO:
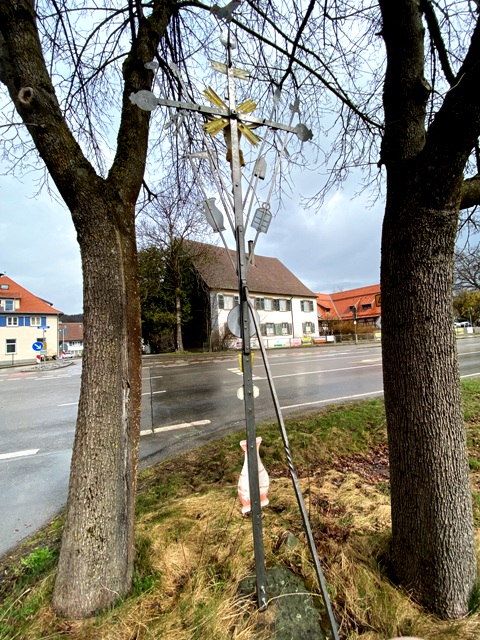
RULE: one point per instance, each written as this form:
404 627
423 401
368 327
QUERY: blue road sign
44 328
37 346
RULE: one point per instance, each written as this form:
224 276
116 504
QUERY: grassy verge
193 546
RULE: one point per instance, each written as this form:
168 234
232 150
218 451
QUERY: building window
225 301
35 321
282 304
12 322
268 304
9 305
306 305
308 327
365 307
269 329
260 304
3 286
285 328
10 346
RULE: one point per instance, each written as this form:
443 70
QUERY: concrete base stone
291 612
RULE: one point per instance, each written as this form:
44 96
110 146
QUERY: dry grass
194 546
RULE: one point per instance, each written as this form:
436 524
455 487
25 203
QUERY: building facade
25 320
286 309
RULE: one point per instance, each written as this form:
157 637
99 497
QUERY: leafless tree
467 268
389 85
170 223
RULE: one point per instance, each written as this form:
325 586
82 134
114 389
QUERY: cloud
38 246
333 249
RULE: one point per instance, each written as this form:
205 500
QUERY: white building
25 319
286 308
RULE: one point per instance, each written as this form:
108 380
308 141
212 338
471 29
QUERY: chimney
251 255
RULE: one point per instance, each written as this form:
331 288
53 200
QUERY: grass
193 546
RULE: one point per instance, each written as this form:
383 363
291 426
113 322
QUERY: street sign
37 346
43 328
379 322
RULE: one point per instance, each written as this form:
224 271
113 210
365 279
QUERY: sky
335 249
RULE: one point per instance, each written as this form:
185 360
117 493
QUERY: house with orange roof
286 309
362 304
25 319
70 337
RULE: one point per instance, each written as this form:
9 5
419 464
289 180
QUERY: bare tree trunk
432 520
96 559
178 315
100 509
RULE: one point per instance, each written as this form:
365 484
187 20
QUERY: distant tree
166 227
157 308
75 317
466 305
164 291
467 268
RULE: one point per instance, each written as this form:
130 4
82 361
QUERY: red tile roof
73 331
29 303
364 298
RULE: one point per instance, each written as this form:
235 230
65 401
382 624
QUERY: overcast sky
335 249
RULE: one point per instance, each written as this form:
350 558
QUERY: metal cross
235 121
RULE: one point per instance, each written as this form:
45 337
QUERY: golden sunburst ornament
216 124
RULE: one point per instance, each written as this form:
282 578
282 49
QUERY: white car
65 355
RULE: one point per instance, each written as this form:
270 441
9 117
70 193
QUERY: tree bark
433 545
178 317
432 522
96 558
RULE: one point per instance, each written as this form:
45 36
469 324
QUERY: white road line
67 404
147 393
309 373
470 375
357 395
18 454
174 427
239 372
151 377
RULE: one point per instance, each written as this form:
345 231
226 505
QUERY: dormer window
9 305
4 286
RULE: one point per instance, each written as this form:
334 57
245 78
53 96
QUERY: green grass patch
192 545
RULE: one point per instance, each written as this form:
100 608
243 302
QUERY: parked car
462 324
65 355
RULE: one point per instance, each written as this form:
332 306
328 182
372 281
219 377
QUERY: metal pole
246 351
298 493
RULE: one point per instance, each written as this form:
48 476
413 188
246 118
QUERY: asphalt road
185 404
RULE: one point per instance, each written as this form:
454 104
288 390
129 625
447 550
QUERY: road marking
239 372
309 373
470 375
357 395
18 454
174 427
147 393
151 377
67 404
178 364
